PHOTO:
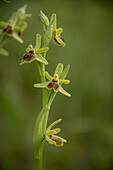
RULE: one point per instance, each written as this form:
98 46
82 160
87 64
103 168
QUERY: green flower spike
56 81
35 53
57 33
51 135
16 24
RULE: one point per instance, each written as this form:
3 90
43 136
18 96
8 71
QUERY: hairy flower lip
28 57
8 30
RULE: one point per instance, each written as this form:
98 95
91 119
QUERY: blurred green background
88 115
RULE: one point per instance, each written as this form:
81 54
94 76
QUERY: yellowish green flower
56 81
51 136
16 24
57 38
34 53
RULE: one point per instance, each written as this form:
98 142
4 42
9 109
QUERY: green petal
54 123
41 85
61 90
53 131
41 59
59 69
3 52
38 41
65 72
61 81
48 76
59 30
16 36
42 50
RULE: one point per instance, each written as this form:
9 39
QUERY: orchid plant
50 87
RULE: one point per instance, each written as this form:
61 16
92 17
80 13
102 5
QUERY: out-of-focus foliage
88 115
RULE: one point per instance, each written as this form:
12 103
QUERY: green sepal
38 41
42 85
48 34
16 36
53 19
42 50
41 59
14 19
22 62
22 25
59 69
44 18
65 72
54 123
4 24
53 131
3 52
61 90
48 76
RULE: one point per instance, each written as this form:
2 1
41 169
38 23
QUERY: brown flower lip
29 56
57 41
8 30
57 140
53 84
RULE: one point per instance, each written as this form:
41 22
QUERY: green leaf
65 72
16 36
41 85
59 69
38 134
41 59
3 52
61 90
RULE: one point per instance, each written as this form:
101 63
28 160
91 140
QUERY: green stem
45 96
41 123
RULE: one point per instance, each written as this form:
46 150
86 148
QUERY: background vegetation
88 115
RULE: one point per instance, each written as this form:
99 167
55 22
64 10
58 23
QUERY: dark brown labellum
53 85
57 140
56 41
29 56
8 30
62 39
20 33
